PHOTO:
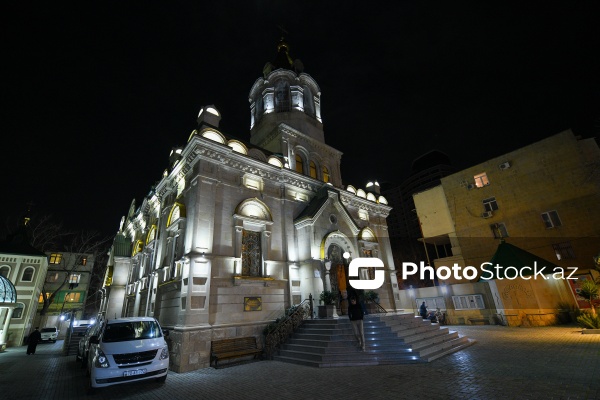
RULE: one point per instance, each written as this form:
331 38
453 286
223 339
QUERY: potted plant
371 296
327 298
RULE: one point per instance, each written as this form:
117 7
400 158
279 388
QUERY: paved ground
505 363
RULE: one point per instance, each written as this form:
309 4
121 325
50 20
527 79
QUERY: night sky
95 96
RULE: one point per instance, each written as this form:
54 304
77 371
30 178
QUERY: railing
279 331
379 309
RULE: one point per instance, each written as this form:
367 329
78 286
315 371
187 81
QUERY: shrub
590 321
327 297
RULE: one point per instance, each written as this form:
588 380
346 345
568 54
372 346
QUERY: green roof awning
508 255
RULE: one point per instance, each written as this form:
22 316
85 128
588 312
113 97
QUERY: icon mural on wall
252 303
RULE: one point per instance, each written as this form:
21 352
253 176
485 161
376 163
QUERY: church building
235 232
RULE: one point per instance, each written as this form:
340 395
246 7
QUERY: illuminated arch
367 235
275 161
254 208
178 211
151 234
361 193
371 196
238 146
351 189
382 200
214 136
137 247
338 238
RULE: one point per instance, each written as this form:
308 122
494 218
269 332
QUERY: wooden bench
478 321
232 348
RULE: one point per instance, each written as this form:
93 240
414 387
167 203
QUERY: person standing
34 338
355 314
423 310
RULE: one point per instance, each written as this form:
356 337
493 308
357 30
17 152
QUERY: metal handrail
380 309
286 326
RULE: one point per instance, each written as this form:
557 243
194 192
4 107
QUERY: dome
8 294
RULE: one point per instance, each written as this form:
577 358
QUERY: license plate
135 372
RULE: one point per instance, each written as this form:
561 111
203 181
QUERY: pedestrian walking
355 313
33 340
423 310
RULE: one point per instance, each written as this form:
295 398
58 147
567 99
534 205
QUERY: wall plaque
252 303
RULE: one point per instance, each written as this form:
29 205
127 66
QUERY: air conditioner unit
487 214
504 165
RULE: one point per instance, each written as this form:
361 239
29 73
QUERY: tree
589 291
48 236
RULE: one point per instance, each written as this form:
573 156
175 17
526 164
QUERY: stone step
353 355
459 345
395 338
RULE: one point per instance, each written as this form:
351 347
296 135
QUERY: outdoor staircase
393 338
72 342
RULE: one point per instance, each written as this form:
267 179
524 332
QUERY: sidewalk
505 363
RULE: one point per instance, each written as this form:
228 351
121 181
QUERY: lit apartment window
490 204
52 277
563 250
83 261
551 219
41 300
499 230
72 297
55 258
74 280
481 180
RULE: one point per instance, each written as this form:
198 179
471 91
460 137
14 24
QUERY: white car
49 334
126 350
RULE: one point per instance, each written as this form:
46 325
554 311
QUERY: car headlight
101 361
164 353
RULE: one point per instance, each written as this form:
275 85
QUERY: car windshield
131 330
49 330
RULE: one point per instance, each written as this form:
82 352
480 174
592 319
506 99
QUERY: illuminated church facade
234 233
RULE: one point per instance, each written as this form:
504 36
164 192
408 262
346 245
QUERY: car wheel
162 379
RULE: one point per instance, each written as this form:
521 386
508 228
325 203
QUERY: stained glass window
251 253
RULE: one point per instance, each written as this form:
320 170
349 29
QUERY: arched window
252 236
4 271
313 170
299 164
309 102
259 106
282 96
27 274
325 173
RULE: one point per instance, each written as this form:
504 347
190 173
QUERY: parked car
84 343
126 350
49 334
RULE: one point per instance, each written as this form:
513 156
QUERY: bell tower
285 118
285 94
